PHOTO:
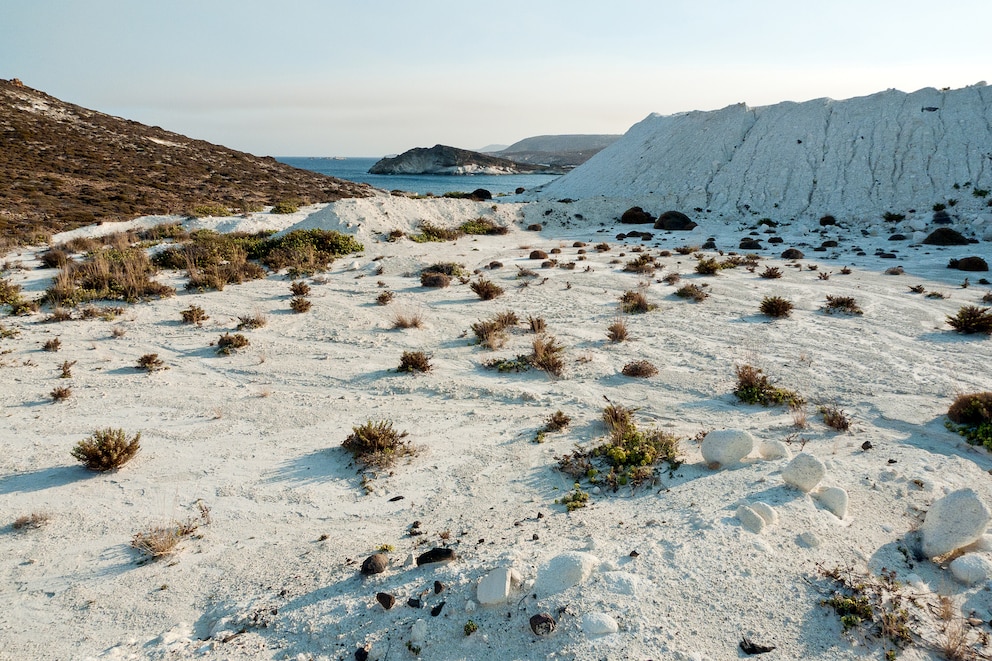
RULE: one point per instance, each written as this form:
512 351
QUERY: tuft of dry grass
107 449
377 444
617 418
835 418
971 319
547 355
414 361
53 344
194 314
30 521
844 304
486 289
118 332
384 298
692 292
150 362
66 369
300 304
299 288
635 302
161 541
557 421
776 306
639 369
252 321
537 324
771 273
617 330
58 315
799 420
408 320
672 278
61 393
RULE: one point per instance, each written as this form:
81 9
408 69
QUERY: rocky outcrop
441 159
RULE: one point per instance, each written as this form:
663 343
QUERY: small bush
107 449
602 247
286 206
617 330
486 289
672 278
507 319
973 415
639 369
61 393
53 344
835 418
161 541
707 266
30 521
893 217
299 288
228 344
635 302
150 362
66 369
754 387
771 272
693 292
194 314
776 306
537 324
305 251
59 315
643 263
252 321
408 320
300 304
557 421
433 279
377 444
972 319
844 304
987 297
414 361
547 355
430 233
210 209
483 226
384 298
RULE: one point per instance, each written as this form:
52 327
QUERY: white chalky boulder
956 520
564 571
804 472
771 450
971 569
495 587
835 500
599 624
766 512
726 447
750 520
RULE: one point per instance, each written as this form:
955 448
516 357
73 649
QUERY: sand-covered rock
725 447
494 588
599 624
834 499
971 568
954 521
804 472
564 571
750 520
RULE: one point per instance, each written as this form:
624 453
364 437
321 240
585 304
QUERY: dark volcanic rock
375 564
792 253
480 195
828 220
674 221
636 216
538 254
436 555
941 218
973 263
747 243
386 600
898 237
945 236
542 624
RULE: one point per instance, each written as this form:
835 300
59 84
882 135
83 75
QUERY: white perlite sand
256 437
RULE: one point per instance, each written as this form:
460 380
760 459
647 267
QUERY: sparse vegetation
228 344
771 273
107 449
617 330
150 362
161 541
66 369
285 206
643 263
671 278
556 422
776 306
111 274
433 279
754 387
707 266
536 324
483 226
844 304
414 361
635 302
408 320
299 288
61 393
639 369
385 297
30 521
430 233
547 355
194 314
835 418
53 344
971 319
300 304
486 289
970 415
692 292
252 321
377 444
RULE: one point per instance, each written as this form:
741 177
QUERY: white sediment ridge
728 545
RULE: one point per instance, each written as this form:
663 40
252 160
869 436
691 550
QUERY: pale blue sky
373 77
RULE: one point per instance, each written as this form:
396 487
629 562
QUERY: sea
357 169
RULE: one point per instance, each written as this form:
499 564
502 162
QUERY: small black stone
436 555
395 498
438 587
386 600
542 624
867 445
437 609
414 602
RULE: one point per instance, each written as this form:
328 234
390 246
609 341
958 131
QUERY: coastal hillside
63 166
442 159
891 151
566 151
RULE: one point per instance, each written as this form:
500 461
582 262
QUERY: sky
377 77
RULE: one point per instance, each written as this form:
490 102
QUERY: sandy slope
256 436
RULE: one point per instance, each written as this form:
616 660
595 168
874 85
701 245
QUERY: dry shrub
30 521
228 344
118 332
66 368
384 298
754 387
61 393
634 302
835 418
557 421
776 306
483 226
671 278
771 273
299 288
107 449
547 355
112 274
918 289
408 320
687 250
692 292
798 412
300 304
434 279
491 333
150 362
194 314
639 368
161 541
844 304
617 330
507 319
486 289
414 361
537 324
252 321
971 409
707 266
643 263
432 233
971 319
59 315
602 247
53 344
377 444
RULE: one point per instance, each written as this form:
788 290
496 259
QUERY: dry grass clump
635 302
408 320
161 541
53 344
300 304
60 393
194 314
643 263
432 233
377 444
547 355
299 288
228 344
414 361
537 324
66 369
617 330
776 306
671 278
150 362
707 266
491 333
971 319
556 422
771 273
486 289
692 292
384 298
639 369
107 449
252 321
433 279
30 521
844 304
483 226
507 319
835 418
112 274
59 315
754 387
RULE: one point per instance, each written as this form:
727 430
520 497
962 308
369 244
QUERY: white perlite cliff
890 151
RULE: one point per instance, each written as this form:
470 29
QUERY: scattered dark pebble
436 555
542 624
375 564
749 647
362 654
438 587
386 600
535 537
437 609
414 602
892 461
395 498
634 554
867 445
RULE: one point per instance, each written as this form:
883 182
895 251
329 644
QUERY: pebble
599 624
375 564
804 472
765 511
542 624
809 540
387 600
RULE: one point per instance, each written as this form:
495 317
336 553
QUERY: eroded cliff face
888 151
441 159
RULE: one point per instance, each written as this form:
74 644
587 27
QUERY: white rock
971 568
495 587
835 500
599 624
750 520
418 632
620 582
766 512
470 606
516 580
564 571
770 450
809 540
956 520
804 472
726 446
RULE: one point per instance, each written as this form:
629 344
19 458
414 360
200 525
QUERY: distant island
442 159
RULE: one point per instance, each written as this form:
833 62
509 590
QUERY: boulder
725 447
538 254
804 472
747 243
750 520
954 521
564 571
835 500
375 564
674 221
973 263
495 587
945 236
792 253
775 449
436 555
599 624
636 216
971 569
481 194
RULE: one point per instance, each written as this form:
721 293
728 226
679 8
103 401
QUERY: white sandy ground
257 436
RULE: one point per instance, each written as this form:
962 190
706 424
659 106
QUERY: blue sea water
357 169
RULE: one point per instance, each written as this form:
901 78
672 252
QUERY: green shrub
972 319
483 226
433 234
107 449
307 251
377 444
754 387
286 206
209 209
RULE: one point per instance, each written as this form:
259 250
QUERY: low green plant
107 449
754 387
430 233
470 628
574 499
972 319
970 415
377 444
483 226
211 209
286 206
